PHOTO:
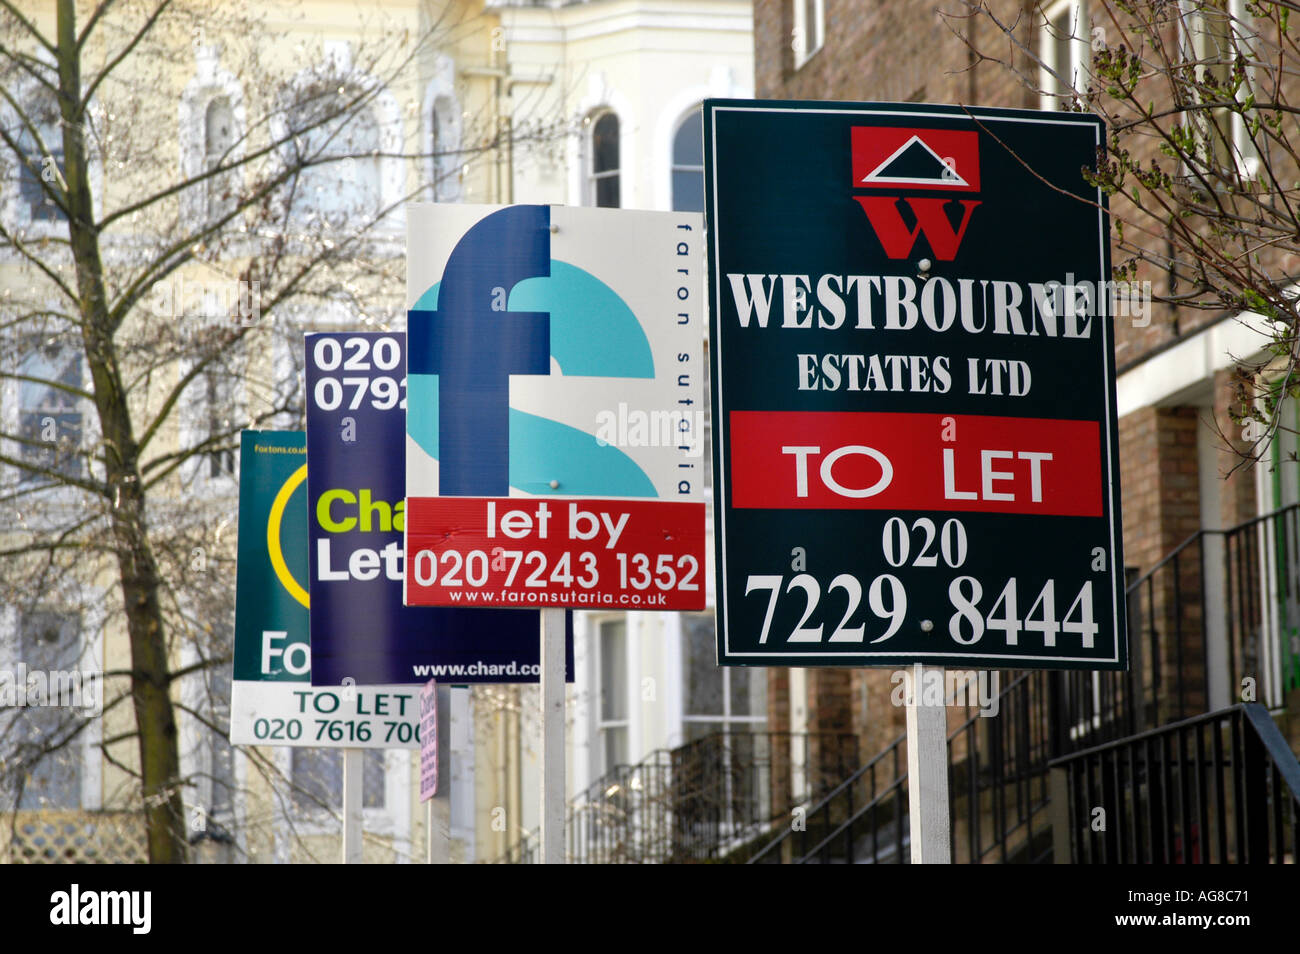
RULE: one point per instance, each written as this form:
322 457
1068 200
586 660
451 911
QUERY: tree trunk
138 569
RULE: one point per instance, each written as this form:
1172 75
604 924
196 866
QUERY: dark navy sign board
356 475
915 448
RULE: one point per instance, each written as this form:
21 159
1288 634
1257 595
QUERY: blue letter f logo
473 344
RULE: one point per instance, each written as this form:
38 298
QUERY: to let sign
913 387
555 427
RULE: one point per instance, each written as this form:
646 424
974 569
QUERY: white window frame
445 172
209 83
89 603
807 38
337 69
728 719
56 495
1063 18
196 418
673 166
600 725
15 217
590 176
1194 31
392 821
198 757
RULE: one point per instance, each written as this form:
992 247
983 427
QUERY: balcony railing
700 802
1218 788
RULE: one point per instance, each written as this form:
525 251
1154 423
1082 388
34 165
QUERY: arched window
688 164
439 147
444 127
218 137
602 176
342 174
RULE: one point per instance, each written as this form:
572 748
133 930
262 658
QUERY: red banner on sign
879 461
532 552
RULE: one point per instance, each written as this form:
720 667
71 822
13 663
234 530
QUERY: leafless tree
158 250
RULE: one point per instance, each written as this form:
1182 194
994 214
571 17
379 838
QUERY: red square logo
908 158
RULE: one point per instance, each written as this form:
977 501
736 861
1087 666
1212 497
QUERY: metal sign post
552 731
927 772
542 470
354 765
437 809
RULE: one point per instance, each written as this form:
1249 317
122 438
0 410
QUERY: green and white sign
272 699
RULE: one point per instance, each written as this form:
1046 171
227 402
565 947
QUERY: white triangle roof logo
944 174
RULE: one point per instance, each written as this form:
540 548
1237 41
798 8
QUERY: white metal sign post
927 772
437 800
354 764
553 802
554 424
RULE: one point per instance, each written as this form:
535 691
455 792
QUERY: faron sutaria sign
554 416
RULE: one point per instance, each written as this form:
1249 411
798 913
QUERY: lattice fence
73 838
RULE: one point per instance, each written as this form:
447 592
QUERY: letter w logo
931 219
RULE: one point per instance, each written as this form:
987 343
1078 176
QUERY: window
212 121
1065 52
1214 34
809 29
439 146
221 804
50 642
318 779
612 711
49 414
688 164
717 699
218 138
40 161
221 410
603 159
444 126
341 175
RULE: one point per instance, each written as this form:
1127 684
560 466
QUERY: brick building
1178 444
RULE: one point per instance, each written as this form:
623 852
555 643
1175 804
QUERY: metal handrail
834 793
1203 532
687 803
1178 795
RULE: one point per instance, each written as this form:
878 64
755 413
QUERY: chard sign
913 387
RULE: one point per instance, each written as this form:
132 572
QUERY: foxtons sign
913 388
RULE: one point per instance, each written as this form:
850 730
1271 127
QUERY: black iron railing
861 820
998 792
1217 788
700 802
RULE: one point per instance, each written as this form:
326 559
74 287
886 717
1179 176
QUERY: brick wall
891 50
